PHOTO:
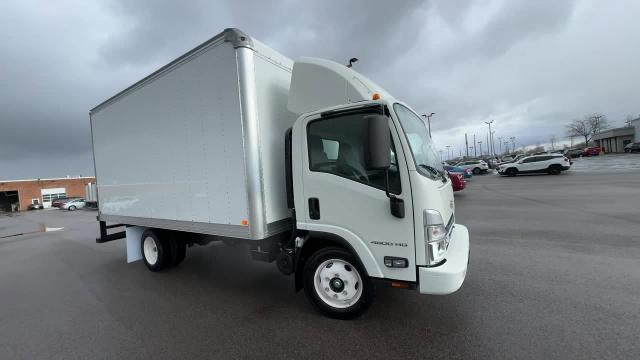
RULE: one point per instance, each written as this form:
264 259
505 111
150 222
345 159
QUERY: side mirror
520 162
377 143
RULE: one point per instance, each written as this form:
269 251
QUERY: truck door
342 198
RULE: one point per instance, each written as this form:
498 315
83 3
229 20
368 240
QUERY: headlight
436 237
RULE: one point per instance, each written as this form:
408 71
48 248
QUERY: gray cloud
529 65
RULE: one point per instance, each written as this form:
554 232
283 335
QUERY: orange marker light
399 285
375 96
244 222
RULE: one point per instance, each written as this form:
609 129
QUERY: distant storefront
17 195
614 140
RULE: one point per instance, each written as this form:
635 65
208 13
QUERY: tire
477 170
155 255
324 288
72 208
554 170
511 172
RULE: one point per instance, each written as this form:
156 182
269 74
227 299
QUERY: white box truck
309 163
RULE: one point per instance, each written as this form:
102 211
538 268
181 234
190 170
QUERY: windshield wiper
434 171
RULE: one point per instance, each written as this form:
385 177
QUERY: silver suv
550 164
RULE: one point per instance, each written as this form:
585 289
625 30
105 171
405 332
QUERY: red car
591 151
457 181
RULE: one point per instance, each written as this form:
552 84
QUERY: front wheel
72 208
336 285
512 172
477 170
554 170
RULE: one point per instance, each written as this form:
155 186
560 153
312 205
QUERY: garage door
48 195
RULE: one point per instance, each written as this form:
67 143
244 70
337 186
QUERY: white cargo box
199 144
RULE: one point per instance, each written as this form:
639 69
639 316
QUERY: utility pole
429 121
466 143
513 143
441 155
490 144
480 143
487 144
493 146
475 155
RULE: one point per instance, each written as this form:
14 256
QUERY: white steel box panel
273 76
173 147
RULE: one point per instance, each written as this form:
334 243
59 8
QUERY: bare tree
587 127
553 142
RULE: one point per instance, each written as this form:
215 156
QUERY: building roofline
62 178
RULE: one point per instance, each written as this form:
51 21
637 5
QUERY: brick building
17 195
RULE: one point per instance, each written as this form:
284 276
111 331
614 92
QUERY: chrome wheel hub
338 283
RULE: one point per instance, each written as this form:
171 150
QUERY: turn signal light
398 285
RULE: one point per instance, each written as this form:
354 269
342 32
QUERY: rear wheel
336 285
72 208
511 172
477 170
154 251
554 170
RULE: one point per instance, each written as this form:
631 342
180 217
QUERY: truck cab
365 178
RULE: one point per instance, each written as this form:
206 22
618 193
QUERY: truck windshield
425 156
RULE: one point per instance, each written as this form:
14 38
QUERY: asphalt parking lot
554 273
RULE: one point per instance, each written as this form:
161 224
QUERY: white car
477 166
73 204
552 164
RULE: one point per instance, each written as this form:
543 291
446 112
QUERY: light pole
500 143
513 143
480 143
490 145
448 156
506 147
441 151
429 121
493 146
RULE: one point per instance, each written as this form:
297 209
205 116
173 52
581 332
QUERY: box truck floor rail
309 163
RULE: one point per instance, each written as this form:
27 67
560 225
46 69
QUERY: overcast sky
531 66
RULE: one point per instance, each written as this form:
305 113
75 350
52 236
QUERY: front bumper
448 277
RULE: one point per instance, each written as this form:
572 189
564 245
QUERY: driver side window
336 146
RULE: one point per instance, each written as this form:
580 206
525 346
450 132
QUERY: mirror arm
386 184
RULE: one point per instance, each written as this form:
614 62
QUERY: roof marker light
375 96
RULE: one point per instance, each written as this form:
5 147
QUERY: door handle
314 208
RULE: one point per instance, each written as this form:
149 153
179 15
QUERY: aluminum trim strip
236 231
251 139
